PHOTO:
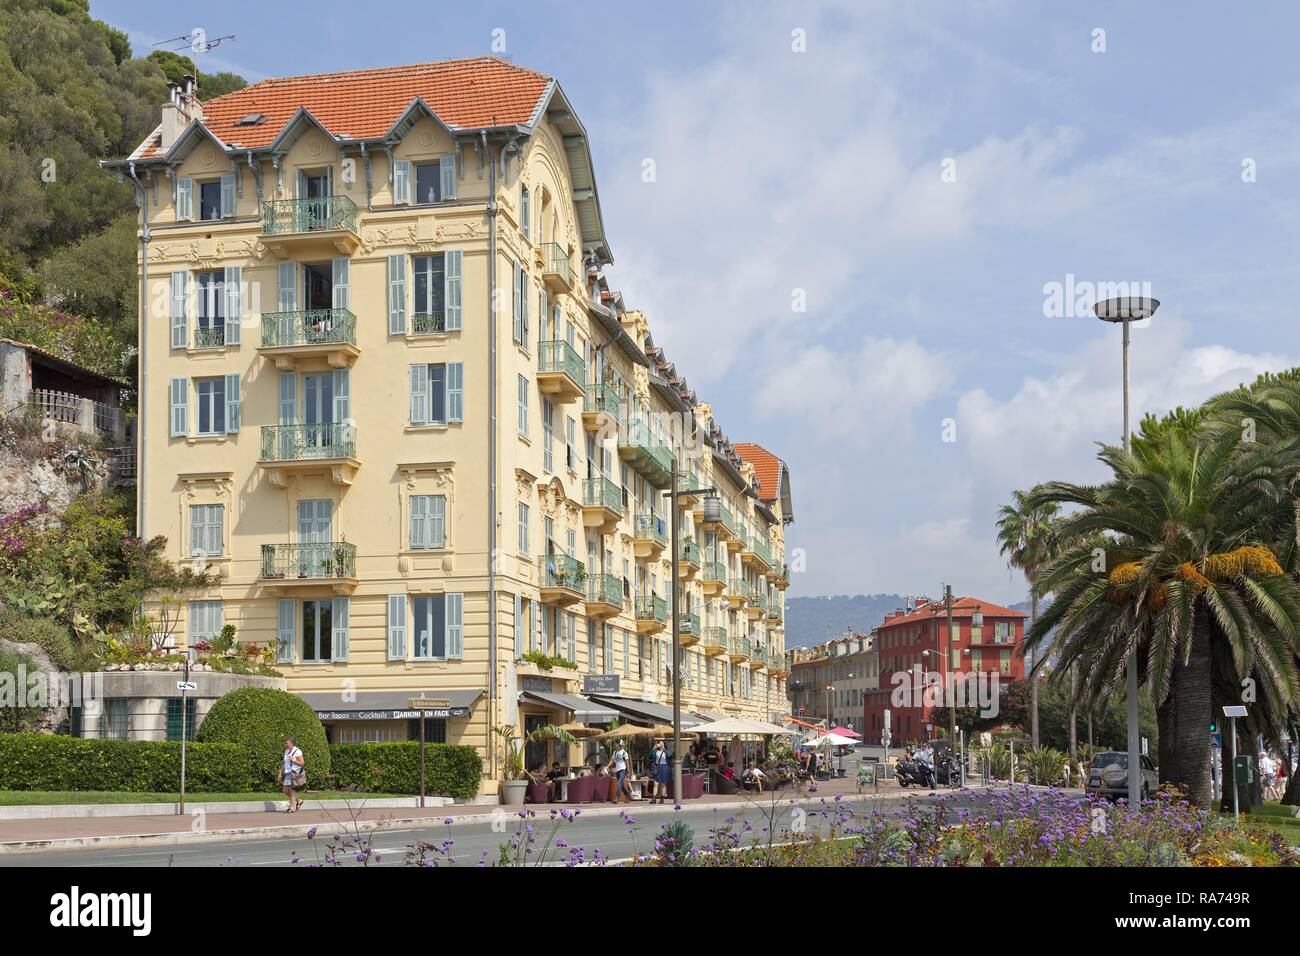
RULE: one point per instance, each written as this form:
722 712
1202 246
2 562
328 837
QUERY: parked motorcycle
914 773
948 771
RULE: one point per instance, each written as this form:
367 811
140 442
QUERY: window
174 715
114 719
437 623
428 521
437 393
570 444
210 200
1004 663
548 435
433 182
206 525
523 529
211 394
211 331
523 406
205 620
428 183
428 311
317 631
520 304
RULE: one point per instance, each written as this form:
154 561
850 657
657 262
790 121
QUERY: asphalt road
472 836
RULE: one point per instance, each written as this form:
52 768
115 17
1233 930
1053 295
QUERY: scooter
914 772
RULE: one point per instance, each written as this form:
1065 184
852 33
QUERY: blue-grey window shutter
397 627
401 181
184 200
453 262
227 195
340 290
437 521
420 521
234 303
284 630
396 294
455 625
302 184
286 275
437 393
447 173
340 629
180 309
419 394
232 403
180 411
455 391
342 398
523 302
288 398
516 275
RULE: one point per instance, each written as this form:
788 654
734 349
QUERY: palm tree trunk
1189 748
1092 744
1033 680
1074 712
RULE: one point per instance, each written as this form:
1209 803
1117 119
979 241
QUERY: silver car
1108 775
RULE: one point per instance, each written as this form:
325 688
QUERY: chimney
181 108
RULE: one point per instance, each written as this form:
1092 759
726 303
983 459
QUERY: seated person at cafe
754 777
729 771
689 761
553 780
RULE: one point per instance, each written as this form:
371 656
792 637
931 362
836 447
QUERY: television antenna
196 40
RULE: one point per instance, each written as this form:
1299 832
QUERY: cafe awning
584 711
392 704
644 711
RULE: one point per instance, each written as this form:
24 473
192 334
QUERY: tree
1027 536
1187 565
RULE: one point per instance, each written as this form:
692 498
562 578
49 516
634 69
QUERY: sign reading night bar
600 684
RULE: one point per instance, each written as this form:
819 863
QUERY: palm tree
1026 535
1186 572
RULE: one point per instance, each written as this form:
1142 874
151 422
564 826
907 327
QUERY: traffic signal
1214 726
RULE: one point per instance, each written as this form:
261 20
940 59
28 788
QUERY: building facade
389 399
831 680
915 651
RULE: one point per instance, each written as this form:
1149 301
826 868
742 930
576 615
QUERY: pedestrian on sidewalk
293 774
623 789
659 760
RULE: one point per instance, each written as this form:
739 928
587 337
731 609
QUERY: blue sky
822 171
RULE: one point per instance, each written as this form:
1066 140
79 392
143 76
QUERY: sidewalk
200 826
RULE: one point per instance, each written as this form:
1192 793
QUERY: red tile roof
961 607
364 104
767 469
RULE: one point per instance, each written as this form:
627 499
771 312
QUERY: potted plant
341 558
515 784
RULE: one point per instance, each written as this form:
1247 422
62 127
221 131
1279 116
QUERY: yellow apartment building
389 400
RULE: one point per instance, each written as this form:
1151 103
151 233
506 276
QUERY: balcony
777 664
561 578
428 323
713 579
291 337
559 371
736 538
688 558
650 538
651 614
289 451
774 614
604 595
645 453
737 592
600 407
763 552
781 578
724 528
687 480
688 629
738 649
557 272
757 605
211 336
602 504
331 564
713 641
758 658
326 225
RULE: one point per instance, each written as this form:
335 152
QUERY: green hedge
451 770
49 762
259 718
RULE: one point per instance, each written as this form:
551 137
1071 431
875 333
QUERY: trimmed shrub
49 635
260 718
50 762
450 770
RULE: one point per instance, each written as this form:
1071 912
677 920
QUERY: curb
91 810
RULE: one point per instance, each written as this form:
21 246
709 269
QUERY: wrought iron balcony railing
210 337
283 217
714 571
557 355
690 551
602 397
650 527
714 638
555 262
307 442
605 589
330 559
562 571
602 493
310 327
428 323
688 623
651 607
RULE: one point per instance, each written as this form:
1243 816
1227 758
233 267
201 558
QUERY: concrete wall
149 691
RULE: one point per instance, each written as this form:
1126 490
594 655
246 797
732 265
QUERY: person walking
622 789
660 761
293 774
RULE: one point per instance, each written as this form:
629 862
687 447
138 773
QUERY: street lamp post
1125 310
712 512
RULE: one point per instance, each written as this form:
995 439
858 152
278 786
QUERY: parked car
1108 775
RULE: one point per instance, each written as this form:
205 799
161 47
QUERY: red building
916 659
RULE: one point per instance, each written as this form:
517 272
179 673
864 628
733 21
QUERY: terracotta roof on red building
364 104
961 607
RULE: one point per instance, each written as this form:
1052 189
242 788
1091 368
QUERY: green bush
260 718
14 670
1044 766
49 635
451 770
50 762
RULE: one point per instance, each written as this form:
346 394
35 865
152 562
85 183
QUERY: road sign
885 740
1216 740
186 685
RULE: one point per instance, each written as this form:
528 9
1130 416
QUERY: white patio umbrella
831 740
731 726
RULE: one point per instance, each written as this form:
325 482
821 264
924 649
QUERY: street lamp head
1129 308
